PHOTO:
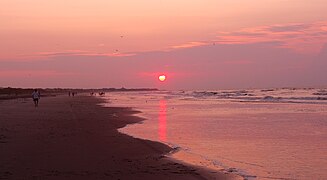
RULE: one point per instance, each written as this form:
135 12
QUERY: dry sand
74 138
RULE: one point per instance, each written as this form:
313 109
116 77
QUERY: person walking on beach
36 97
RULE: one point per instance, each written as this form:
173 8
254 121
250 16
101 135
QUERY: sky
197 44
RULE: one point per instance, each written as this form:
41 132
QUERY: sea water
259 134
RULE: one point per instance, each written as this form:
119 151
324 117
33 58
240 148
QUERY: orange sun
162 78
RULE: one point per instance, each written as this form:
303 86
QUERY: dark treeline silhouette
10 92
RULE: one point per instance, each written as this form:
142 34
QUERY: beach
76 138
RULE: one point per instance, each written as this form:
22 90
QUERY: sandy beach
75 138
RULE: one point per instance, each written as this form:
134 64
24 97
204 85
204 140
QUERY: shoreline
209 172
205 172
75 137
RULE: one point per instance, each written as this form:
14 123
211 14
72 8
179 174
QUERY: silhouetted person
68 93
36 97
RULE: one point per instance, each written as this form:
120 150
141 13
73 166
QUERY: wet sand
74 138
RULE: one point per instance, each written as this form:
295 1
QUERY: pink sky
200 44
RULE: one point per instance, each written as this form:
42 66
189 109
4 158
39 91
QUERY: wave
320 93
264 95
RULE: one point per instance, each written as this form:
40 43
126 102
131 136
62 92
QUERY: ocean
256 133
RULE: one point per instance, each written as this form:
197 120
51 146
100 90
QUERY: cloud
289 27
238 62
265 56
189 45
82 53
32 73
202 67
300 37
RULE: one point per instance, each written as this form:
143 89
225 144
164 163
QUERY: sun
162 78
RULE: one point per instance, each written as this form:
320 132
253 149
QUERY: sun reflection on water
162 130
